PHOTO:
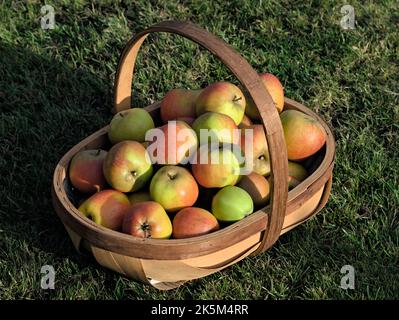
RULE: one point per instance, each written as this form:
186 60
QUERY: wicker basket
166 264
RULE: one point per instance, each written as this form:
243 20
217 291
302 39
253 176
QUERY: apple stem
171 176
237 98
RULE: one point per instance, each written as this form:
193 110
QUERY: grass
56 88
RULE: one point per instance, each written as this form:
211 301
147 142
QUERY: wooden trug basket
167 264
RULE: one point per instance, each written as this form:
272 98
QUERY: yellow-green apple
179 104
127 166
222 97
130 124
173 143
192 222
246 122
147 220
255 147
257 187
86 170
276 91
174 188
304 135
106 208
215 127
232 204
139 196
216 167
296 174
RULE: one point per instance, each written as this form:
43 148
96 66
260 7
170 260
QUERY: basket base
157 272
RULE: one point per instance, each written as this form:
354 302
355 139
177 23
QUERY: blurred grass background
56 88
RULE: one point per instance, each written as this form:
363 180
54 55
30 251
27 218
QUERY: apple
127 166
106 208
245 122
130 124
304 135
215 127
276 91
86 170
222 97
296 174
147 220
179 104
140 196
256 149
232 204
173 143
257 187
192 222
216 167
174 188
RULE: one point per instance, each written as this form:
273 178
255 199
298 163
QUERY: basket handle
250 81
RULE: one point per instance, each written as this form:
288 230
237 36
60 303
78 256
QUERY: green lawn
56 88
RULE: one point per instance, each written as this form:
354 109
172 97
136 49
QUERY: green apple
127 166
215 127
222 97
232 204
130 124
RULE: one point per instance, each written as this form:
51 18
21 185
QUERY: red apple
222 97
276 91
127 166
173 143
246 122
174 188
147 220
192 222
106 208
304 135
179 104
256 149
86 171
258 188
216 167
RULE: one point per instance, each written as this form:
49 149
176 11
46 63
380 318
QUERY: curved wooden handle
250 81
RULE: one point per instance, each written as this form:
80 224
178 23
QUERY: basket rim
143 247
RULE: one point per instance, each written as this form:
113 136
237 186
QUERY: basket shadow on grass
46 108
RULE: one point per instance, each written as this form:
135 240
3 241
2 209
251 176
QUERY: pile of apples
151 187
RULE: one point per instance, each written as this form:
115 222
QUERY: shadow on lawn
46 108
